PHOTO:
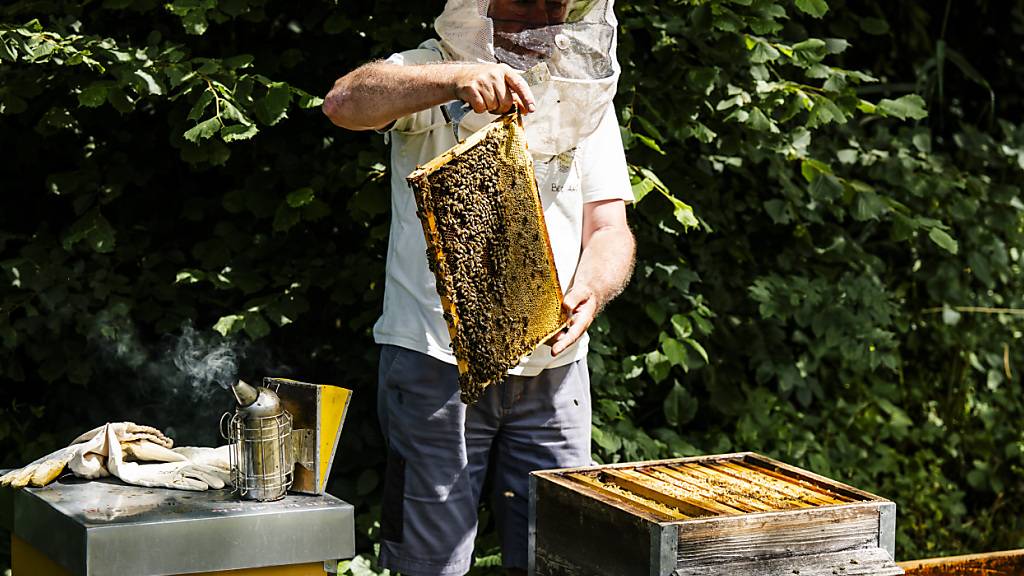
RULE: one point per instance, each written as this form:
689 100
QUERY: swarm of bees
489 250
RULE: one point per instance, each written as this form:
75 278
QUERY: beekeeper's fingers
503 96
489 97
521 89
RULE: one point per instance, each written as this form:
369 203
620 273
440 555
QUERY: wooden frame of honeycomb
489 250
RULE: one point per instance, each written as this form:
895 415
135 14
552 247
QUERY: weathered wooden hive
737 514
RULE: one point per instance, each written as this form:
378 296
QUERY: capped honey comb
489 250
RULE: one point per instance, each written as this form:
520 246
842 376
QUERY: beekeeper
539 417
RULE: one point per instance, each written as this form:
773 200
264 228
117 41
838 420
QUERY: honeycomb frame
472 325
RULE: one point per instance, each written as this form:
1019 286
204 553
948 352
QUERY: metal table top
106 527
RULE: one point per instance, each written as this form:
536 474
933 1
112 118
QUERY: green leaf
201 104
230 324
238 132
93 95
7 51
649 142
285 218
607 440
300 197
874 26
682 212
762 51
203 130
909 106
94 229
657 365
256 326
836 45
811 168
640 189
195 22
816 8
943 240
811 45
758 121
274 105
239 61
701 132
189 276
674 350
847 156
307 100
680 406
682 326
150 83
698 348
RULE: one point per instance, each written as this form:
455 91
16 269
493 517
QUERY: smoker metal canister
259 431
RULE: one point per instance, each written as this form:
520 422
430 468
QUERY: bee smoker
260 432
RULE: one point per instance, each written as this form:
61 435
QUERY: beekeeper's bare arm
376 94
605 267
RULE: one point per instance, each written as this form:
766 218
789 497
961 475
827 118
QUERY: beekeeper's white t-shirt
412 315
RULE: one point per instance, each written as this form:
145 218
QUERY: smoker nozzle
244 393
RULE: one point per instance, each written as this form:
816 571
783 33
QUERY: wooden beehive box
738 514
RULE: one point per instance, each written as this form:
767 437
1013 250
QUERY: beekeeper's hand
581 304
492 88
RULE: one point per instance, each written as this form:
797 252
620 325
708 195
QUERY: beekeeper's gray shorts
440 449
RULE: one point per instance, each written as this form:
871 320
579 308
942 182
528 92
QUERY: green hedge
828 218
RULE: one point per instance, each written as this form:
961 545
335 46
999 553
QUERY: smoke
173 381
205 360
192 363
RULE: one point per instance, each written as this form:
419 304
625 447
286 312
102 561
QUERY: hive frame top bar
462 147
560 476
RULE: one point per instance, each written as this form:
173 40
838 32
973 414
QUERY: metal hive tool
488 247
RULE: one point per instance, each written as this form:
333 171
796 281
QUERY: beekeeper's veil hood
575 39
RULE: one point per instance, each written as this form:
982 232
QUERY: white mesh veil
576 39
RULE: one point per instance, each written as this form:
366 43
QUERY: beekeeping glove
128 432
212 457
144 440
85 456
148 451
40 472
182 475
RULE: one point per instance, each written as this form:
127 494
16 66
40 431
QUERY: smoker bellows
489 250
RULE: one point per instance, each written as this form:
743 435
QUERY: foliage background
844 295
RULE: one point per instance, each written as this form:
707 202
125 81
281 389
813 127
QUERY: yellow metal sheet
333 406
